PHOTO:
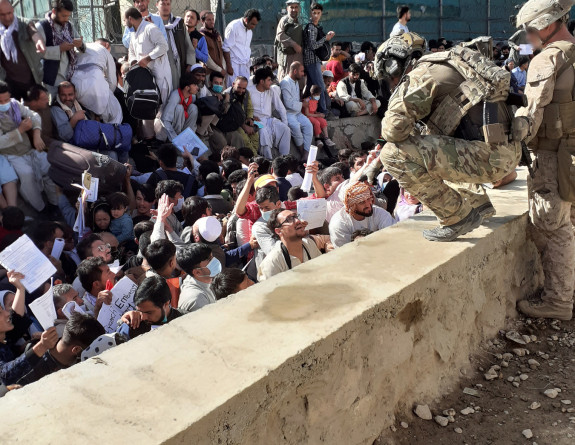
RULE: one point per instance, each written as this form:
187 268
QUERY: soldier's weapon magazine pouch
493 131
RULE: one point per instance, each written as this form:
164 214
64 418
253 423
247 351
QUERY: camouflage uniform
551 217
422 163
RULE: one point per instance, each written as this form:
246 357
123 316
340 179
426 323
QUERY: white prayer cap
196 66
209 228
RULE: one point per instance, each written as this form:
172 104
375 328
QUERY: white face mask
179 205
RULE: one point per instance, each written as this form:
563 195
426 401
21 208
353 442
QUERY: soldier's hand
520 128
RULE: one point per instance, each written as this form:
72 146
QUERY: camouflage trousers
426 166
552 231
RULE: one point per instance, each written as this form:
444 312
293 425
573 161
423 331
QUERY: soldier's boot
452 232
486 211
544 309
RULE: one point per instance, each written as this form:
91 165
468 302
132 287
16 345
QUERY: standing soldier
549 127
289 41
457 98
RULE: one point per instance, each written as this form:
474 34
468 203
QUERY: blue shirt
156 20
520 76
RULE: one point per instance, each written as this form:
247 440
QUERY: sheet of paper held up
70 307
307 179
57 248
525 49
24 257
122 301
44 310
313 211
189 139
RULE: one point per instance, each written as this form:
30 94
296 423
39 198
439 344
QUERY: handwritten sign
122 302
313 211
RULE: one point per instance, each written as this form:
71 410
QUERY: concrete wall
326 353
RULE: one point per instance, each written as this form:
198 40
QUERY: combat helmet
395 54
539 14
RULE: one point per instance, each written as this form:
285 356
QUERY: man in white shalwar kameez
95 81
149 48
275 132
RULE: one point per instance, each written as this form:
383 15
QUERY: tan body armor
559 116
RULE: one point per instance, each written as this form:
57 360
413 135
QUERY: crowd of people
187 228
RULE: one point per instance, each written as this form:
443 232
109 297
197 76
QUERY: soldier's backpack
143 98
484 82
68 162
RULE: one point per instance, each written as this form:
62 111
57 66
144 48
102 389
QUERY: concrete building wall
325 353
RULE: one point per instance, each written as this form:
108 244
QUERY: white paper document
190 140
122 301
57 248
307 179
70 307
313 211
525 49
44 310
24 257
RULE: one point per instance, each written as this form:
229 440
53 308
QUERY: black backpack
234 118
142 93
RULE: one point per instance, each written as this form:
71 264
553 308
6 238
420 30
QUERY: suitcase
68 162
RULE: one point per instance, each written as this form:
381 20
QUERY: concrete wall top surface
160 384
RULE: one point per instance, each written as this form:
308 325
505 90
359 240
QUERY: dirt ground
503 410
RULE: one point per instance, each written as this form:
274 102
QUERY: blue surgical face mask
315 97
4 107
214 266
266 215
218 88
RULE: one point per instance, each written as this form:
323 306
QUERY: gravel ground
516 375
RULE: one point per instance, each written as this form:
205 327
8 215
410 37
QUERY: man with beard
358 213
354 92
289 41
239 117
62 39
152 300
216 60
181 52
404 16
233 105
300 126
20 64
294 247
191 19
142 6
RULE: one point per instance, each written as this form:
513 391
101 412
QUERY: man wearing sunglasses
547 123
294 247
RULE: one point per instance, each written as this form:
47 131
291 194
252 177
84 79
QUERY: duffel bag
68 162
94 135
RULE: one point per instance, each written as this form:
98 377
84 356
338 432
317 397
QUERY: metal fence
92 18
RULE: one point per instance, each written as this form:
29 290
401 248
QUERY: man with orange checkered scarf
358 213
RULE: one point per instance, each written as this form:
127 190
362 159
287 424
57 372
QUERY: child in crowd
317 119
122 225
